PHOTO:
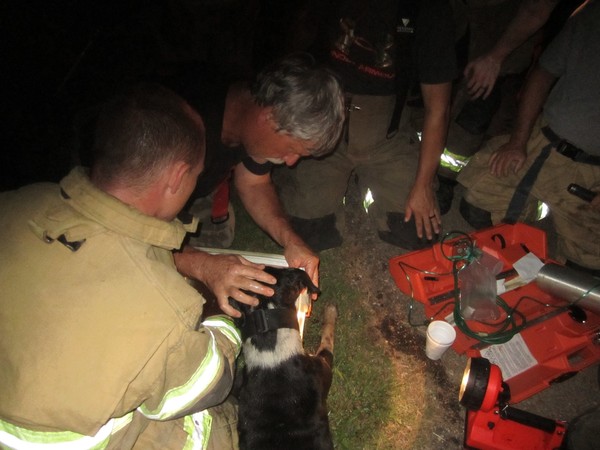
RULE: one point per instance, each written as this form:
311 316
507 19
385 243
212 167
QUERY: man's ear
265 116
176 175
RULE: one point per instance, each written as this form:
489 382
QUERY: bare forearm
530 105
189 262
437 100
530 17
260 200
511 157
263 205
421 204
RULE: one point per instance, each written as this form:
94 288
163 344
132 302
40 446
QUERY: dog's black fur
282 397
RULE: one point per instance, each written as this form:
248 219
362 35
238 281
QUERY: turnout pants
384 165
577 225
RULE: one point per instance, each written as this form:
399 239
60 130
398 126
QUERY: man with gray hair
293 109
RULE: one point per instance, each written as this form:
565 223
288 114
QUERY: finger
487 92
428 225
244 298
420 225
311 266
507 167
252 273
315 280
497 170
492 164
312 269
480 92
496 164
257 288
468 72
472 80
494 167
315 276
436 222
248 263
518 165
472 87
408 213
229 310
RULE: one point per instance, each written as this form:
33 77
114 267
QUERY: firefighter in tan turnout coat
102 344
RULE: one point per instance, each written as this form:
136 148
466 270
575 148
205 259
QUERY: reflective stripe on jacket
18 438
180 398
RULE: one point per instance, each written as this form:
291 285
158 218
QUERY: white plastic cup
440 336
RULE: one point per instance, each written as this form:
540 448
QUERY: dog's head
293 290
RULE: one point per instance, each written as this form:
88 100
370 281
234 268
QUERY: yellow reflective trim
368 200
198 427
452 161
18 438
227 327
542 211
181 397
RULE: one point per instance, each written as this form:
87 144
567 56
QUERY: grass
368 399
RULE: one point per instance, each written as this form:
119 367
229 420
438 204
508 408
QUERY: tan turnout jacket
99 333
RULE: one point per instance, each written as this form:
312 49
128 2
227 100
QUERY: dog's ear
302 280
311 288
297 281
290 283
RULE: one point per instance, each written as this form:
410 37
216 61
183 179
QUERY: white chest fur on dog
289 344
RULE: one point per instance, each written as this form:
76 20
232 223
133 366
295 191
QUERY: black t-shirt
422 33
206 93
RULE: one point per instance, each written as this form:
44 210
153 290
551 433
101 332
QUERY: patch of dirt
366 258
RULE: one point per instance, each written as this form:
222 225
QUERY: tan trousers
577 225
385 166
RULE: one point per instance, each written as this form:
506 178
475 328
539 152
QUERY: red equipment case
552 347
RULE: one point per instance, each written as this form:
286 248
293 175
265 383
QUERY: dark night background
60 59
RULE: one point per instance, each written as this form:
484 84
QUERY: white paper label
513 357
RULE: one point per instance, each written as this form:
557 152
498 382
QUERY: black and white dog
283 392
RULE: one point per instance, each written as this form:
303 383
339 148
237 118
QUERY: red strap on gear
220 207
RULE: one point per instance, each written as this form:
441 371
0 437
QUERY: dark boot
404 234
445 193
476 217
320 234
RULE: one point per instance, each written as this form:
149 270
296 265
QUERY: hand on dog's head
290 283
